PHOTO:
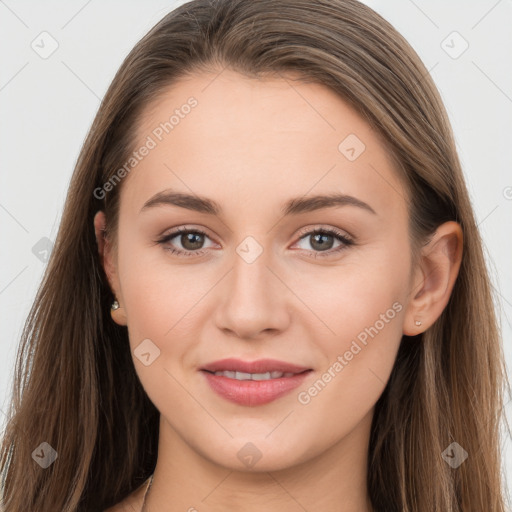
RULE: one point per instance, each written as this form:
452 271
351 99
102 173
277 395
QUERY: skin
251 145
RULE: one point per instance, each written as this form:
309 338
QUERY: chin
254 455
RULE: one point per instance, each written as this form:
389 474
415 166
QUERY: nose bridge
253 298
250 276
250 283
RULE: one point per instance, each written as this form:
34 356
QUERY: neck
334 481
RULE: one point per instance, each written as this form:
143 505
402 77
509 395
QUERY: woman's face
260 284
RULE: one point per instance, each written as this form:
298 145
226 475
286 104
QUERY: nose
253 301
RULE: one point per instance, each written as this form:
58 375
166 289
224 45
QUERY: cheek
363 307
353 295
161 304
162 300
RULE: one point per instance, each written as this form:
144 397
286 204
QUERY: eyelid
345 239
184 227
308 230
173 232
170 233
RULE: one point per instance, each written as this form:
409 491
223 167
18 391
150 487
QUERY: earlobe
438 268
118 313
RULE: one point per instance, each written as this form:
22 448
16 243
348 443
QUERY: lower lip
253 392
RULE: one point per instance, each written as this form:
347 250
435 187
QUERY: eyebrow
291 207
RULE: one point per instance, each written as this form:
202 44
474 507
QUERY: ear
433 281
108 261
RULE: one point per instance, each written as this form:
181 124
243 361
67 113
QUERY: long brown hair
75 384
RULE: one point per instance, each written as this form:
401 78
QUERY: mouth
251 383
252 376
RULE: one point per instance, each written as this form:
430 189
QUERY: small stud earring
115 305
418 322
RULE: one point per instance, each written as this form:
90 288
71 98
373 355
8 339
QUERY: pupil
322 246
189 239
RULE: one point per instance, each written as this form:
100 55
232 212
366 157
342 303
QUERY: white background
47 106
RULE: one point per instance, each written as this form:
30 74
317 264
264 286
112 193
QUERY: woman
268 288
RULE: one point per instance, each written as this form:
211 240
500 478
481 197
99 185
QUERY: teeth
263 376
243 376
253 376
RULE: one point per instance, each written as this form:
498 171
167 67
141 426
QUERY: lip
250 392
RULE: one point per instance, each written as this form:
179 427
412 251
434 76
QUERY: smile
252 383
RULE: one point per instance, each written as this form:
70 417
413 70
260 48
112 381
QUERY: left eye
191 241
322 240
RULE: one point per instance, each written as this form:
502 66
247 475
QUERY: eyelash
346 242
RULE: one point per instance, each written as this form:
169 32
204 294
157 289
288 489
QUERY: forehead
250 140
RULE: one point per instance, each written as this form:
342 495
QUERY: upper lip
258 366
